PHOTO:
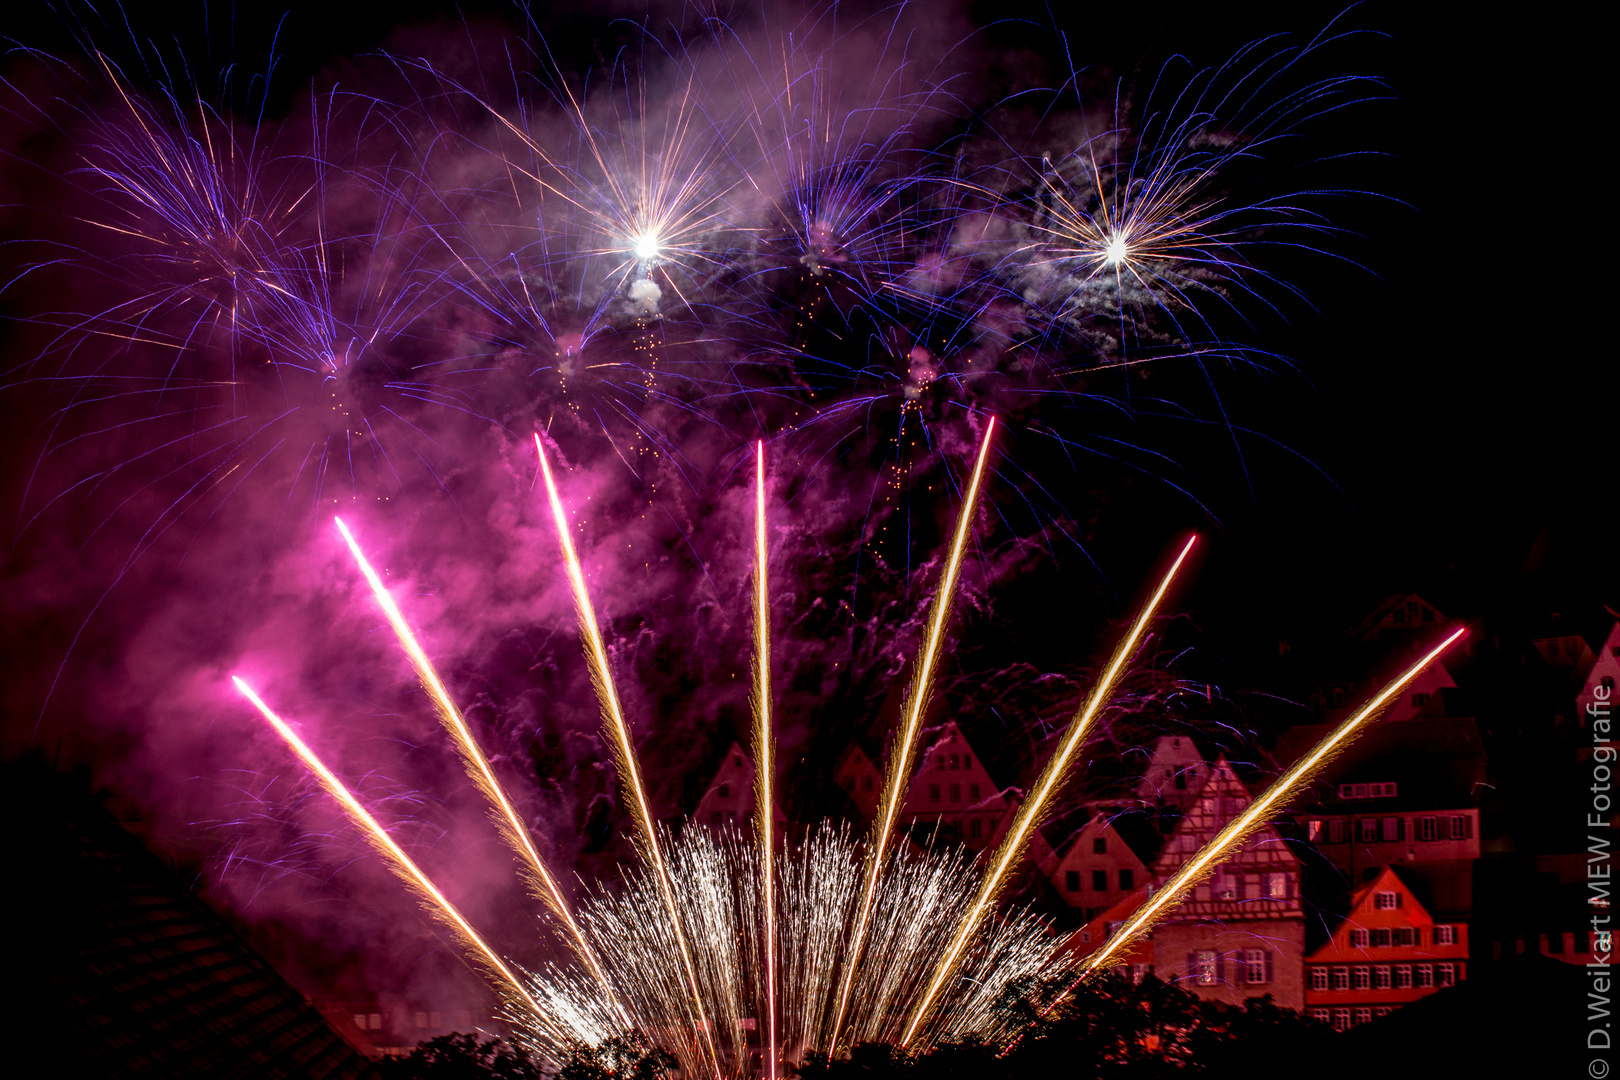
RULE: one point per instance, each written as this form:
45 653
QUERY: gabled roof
1606 666
1174 756
1222 798
1424 696
951 760
1566 651
1398 614
1437 763
1364 912
731 793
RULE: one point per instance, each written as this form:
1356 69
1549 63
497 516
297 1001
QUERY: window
1380 937
1391 829
421 1021
1405 935
1388 901
967 761
360 1021
976 829
1274 886
1203 969
1362 978
973 792
1445 935
848 783
1181 782
1412 607
436 1020
866 783
1322 1016
933 793
1338 696
1419 700
955 763
716 817
1428 829
1382 1010
1341 978
725 791
1071 881
1358 939
1336 831
1099 880
1445 974
1364 1016
1367 830
1460 827
1314 832
956 793
737 761
1341 1019
1425 976
1319 978
1254 966
1099 846
1381 977
1403 976
1127 880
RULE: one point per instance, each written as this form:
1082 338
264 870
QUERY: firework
506 817
764 760
403 866
1029 815
619 733
899 770
1239 828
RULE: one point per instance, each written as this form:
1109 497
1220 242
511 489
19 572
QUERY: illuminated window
1381 977
421 1021
1203 970
360 1021
1425 976
1445 935
376 1021
1403 976
1319 978
1388 901
1341 978
1254 966
1361 978
1314 832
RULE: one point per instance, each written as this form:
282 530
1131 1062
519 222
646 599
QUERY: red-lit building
1388 952
1097 869
729 798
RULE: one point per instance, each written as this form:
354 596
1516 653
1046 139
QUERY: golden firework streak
1029 815
764 799
399 861
1238 829
511 826
613 716
894 787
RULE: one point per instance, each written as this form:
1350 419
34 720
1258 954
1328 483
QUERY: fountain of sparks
824 943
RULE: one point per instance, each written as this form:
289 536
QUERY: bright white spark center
1116 251
645 247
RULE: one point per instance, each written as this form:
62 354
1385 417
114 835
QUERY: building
1136 961
1097 869
1175 773
860 778
1398 615
729 798
1241 933
1388 952
952 791
1596 698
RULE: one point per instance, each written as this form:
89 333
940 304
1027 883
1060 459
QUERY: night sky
1438 419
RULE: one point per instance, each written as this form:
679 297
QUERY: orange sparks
1239 827
894 786
764 799
400 862
517 835
613 715
1029 814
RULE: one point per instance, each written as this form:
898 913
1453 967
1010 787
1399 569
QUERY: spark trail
764 798
477 765
398 861
619 732
894 787
1029 815
1238 829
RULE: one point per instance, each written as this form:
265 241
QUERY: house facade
1241 933
1388 952
1097 869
